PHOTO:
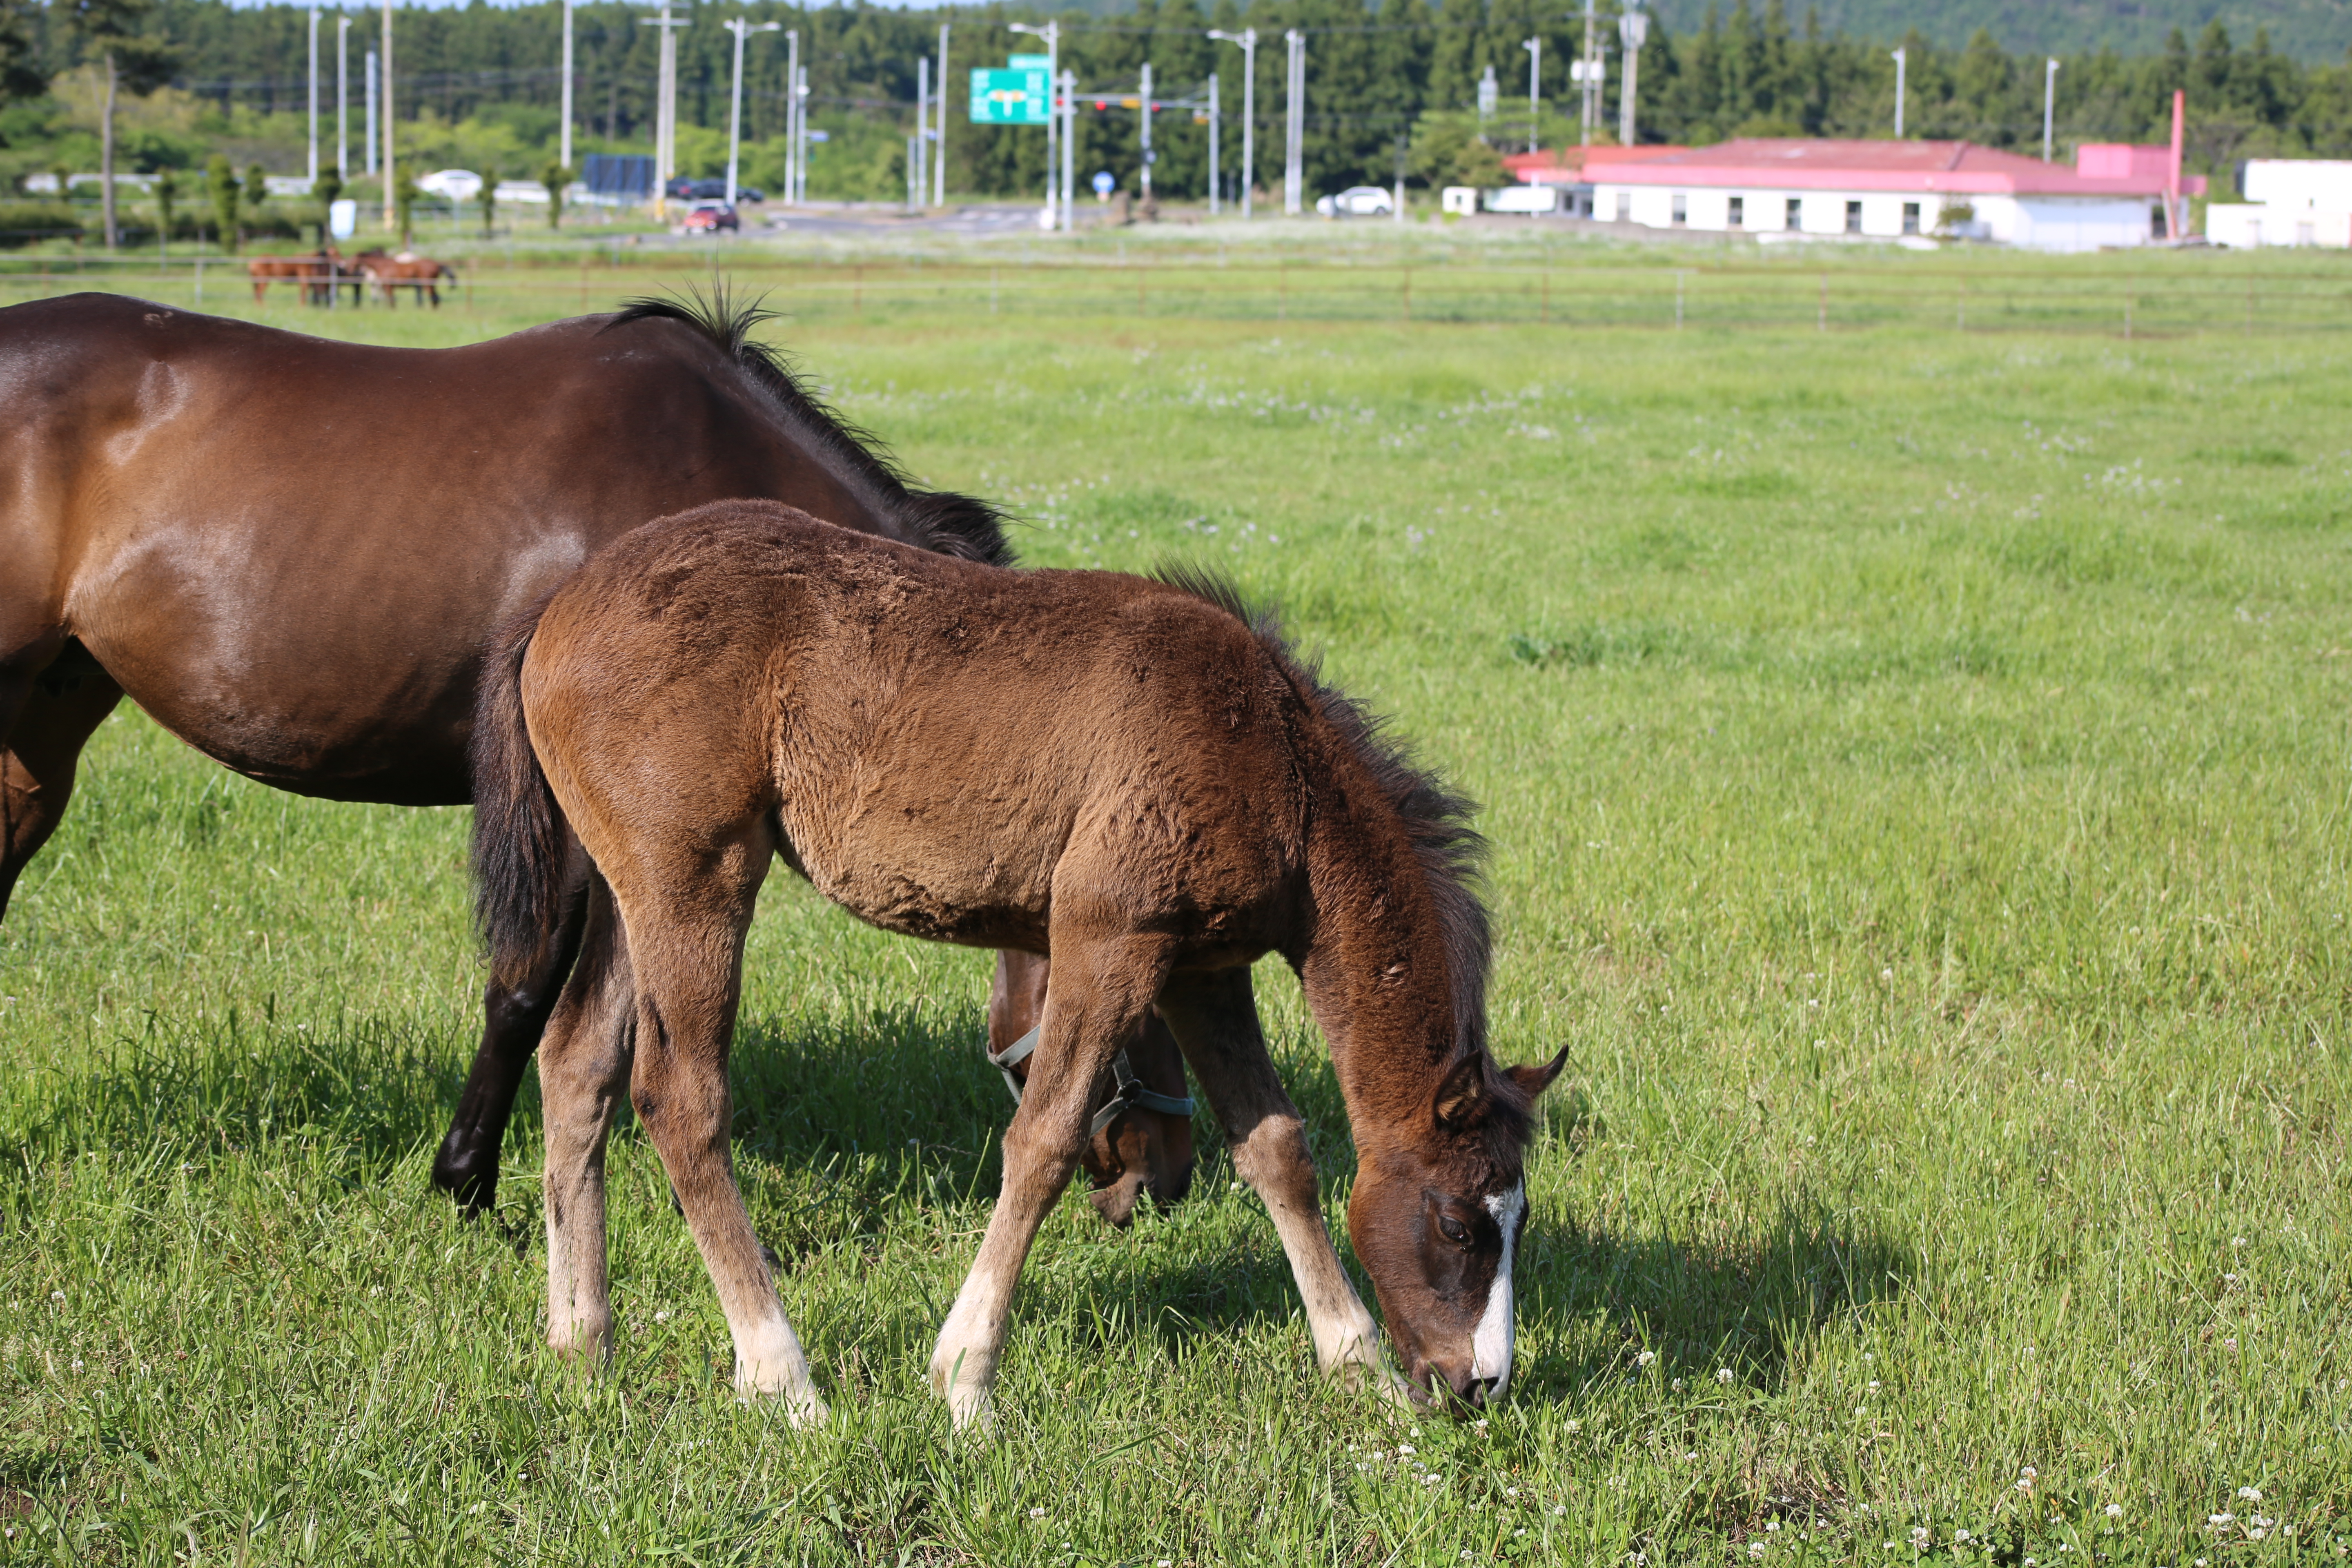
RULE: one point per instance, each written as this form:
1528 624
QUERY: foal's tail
522 846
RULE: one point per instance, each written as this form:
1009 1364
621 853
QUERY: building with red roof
1779 189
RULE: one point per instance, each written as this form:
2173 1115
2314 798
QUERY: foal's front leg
1215 1017
1094 1002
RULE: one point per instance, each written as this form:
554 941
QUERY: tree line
1391 85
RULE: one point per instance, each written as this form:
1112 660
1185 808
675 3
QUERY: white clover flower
2027 1472
1480 1424
1037 1513
1510 1492
1962 1535
1645 1359
1559 1511
1755 1549
1873 1386
2114 1511
77 1367
1574 1425
2250 1494
1678 1385
1919 1536
1771 1526
2221 1519
57 1295
2025 1483
661 1317
1723 1375
1405 1451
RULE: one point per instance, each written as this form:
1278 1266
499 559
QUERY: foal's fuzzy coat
1125 774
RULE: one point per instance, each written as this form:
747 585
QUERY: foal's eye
1454 1230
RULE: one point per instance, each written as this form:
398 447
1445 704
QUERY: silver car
1357 201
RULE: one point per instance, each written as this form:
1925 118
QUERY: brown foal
1124 773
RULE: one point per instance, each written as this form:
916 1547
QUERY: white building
1778 189
2289 201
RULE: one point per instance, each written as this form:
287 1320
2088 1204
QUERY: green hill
2309 30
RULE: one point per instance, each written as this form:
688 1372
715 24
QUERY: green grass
1917 769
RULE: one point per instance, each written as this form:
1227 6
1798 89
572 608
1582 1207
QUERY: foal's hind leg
1215 1018
45 717
583 1070
685 926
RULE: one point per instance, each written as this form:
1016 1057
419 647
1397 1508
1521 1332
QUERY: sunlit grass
1916 764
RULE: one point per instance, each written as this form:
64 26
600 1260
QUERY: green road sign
1029 62
1008 97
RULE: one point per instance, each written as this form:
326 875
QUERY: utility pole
1633 29
800 100
792 116
1144 103
1535 84
343 96
384 92
1069 149
917 167
1294 161
1899 62
1589 78
2049 104
939 147
664 108
1247 39
1214 174
370 111
1052 33
742 30
314 96
563 139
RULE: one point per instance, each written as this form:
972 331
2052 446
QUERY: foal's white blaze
1490 1346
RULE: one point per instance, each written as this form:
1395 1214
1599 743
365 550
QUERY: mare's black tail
522 846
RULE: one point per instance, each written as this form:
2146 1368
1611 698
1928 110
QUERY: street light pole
918 186
664 108
2049 104
1069 150
1900 59
792 116
1247 39
1591 78
342 95
384 100
939 146
563 141
314 96
1052 33
1144 103
1633 29
1535 83
742 30
1294 159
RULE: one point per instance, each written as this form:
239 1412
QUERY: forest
1390 85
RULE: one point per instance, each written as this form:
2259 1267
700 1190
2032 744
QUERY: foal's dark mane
1435 819
939 520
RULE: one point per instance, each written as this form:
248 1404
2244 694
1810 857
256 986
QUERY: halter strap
1132 1093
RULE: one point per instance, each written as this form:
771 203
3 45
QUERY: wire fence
2125 301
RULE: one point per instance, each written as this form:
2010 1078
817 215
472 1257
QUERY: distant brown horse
420 275
316 274
1127 774
164 533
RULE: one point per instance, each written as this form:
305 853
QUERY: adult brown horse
300 583
1127 773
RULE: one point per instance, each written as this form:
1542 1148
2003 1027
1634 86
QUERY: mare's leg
583 1070
686 919
46 714
513 1018
1216 1020
1098 995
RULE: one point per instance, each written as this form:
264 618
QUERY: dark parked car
685 190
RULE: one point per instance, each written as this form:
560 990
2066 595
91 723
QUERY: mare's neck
1376 972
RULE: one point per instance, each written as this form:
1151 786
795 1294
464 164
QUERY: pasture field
1916 768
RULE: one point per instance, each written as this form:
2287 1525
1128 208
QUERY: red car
710 218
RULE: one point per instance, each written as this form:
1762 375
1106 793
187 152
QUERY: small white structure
2289 201
1527 199
1460 200
1839 190
451 184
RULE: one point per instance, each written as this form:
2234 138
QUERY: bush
22 223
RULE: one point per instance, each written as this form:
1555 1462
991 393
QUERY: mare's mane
1435 819
939 520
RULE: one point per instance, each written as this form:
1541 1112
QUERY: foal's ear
1463 1095
1535 1079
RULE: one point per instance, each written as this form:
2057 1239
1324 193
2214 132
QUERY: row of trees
1389 81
